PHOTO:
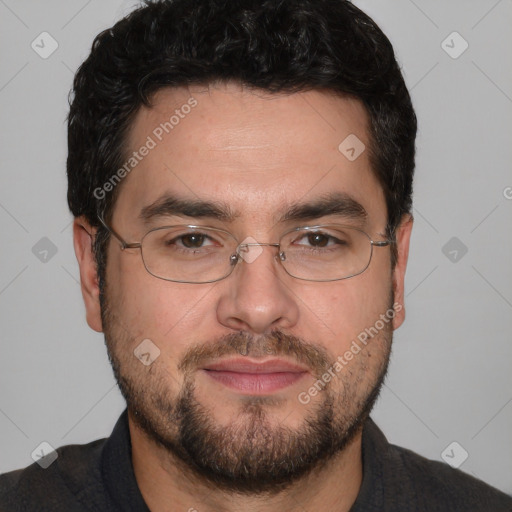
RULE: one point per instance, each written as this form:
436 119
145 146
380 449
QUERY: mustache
275 343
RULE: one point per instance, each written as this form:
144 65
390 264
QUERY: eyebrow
339 204
170 205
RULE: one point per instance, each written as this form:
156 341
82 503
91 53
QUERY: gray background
450 377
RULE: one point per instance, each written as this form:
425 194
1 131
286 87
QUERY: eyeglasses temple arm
124 244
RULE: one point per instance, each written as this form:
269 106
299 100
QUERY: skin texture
258 153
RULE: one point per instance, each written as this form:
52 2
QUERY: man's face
258 156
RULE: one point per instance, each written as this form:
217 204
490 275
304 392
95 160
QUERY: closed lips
247 366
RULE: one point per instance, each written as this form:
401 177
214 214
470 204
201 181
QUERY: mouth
255 377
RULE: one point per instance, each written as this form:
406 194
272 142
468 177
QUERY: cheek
349 307
169 314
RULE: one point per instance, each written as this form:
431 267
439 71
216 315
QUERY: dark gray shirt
99 477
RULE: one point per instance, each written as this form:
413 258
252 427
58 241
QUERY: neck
167 486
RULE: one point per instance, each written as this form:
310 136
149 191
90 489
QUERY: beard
253 454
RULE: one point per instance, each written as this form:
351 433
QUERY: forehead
258 152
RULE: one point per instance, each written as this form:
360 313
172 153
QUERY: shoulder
68 483
396 479
452 489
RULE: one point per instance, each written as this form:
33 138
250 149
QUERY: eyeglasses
200 254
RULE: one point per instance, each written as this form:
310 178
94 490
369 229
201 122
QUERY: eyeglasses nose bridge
256 244
244 246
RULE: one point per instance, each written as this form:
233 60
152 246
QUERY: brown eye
193 240
318 239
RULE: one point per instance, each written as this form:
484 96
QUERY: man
241 176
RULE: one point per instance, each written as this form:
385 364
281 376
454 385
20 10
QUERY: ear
403 237
83 238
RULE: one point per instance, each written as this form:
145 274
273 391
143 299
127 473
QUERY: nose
257 296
